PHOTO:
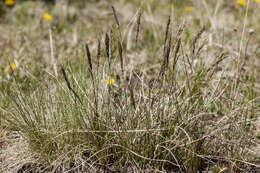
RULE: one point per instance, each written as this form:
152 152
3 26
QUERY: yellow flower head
47 16
241 2
9 2
188 9
12 66
256 1
109 82
147 92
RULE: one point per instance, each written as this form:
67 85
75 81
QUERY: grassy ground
145 86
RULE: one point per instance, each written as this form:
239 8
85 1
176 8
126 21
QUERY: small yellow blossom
257 1
47 16
9 67
147 92
109 82
12 66
241 2
170 6
188 9
9 2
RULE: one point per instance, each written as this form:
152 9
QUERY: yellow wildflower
12 66
257 1
109 82
241 2
188 9
9 2
47 16
170 6
9 67
147 92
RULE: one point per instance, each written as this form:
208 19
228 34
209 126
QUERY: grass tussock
195 108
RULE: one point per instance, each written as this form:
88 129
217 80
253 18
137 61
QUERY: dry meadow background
130 86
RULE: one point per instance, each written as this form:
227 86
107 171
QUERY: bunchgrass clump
187 114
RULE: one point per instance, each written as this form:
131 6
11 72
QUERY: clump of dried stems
110 119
